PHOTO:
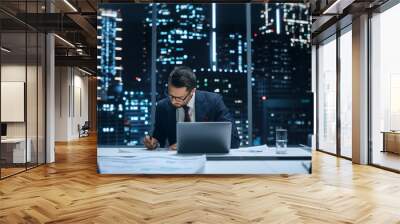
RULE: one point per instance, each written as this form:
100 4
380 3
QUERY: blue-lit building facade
124 103
110 83
214 44
281 75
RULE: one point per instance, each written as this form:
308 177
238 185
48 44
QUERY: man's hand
150 142
173 147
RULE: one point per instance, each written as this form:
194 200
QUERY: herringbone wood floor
70 191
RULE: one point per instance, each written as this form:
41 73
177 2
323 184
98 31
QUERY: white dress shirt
180 112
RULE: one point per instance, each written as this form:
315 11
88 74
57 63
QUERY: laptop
203 137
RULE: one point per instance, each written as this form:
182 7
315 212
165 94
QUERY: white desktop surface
19 155
238 161
12 140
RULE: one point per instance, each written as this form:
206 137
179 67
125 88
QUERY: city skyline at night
205 38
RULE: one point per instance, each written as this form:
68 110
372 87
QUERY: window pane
183 38
231 67
41 98
281 83
327 96
346 94
208 39
13 84
124 102
216 52
385 86
32 97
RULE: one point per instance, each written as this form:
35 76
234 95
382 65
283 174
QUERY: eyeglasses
180 99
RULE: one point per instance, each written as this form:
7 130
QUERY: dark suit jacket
208 107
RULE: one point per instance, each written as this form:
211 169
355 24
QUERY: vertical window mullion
249 75
26 86
338 92
317 96
153 62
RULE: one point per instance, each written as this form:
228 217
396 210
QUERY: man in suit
186 104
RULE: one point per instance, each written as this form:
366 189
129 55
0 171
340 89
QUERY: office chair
84 130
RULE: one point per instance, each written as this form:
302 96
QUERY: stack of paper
152 164
259 148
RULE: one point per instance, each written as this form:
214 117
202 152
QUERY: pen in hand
150 142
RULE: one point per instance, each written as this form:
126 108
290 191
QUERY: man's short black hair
182 76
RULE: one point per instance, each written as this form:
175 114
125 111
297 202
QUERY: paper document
152 164
116 152
259 148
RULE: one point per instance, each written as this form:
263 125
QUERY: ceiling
74 21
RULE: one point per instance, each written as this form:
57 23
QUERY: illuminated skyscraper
232 50
137 112
182 39
110 84
191 35
137 73
225 83
281 72
291 19
109 48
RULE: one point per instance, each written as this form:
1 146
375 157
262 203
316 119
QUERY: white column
360 90
62 103
50 100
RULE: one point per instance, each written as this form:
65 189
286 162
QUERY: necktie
187 116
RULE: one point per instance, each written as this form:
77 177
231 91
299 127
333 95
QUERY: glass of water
281 141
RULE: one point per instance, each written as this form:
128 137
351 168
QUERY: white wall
71 102
80 112
33 127
12 73
61 103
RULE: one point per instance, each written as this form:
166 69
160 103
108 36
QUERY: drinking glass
281 141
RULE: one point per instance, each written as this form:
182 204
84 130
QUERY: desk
296 160
391 141
13 150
